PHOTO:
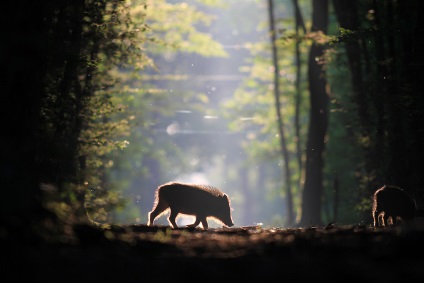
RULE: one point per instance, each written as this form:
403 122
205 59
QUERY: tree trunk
347 16
397 166
298 98
283 146
411 64
318 123
22 89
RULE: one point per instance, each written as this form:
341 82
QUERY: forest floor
137 253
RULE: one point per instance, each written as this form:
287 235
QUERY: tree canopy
104 100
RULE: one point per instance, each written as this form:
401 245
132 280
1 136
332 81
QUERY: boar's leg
388 220
375 217
160 207
197 222
172 216
381 219
204 223
399 221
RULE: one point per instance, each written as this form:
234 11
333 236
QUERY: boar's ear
225 197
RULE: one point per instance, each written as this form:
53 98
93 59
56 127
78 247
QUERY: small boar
392 206
199 200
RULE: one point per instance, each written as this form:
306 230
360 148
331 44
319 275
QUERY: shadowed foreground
136 253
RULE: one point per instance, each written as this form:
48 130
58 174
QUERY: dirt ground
139 253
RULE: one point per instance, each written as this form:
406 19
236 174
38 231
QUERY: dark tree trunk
397 165
318 122
336 189
411 56
22 58
283 146
357 56
298 98
347 16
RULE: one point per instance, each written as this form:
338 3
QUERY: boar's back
191 199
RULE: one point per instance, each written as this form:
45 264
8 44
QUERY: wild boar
392 206
202 201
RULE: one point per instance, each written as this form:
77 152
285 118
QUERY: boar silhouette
392 206
201 201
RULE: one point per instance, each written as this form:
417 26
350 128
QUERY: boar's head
223 212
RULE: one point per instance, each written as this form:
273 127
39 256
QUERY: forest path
137 252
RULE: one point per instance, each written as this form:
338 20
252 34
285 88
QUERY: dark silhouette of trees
51 71
49 60
22 61
384 62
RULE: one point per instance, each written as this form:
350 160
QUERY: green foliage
254 102
177 26
125 100
106 125
82 122
139 96
347 36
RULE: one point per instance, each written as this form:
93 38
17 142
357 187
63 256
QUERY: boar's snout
228 222
226 211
